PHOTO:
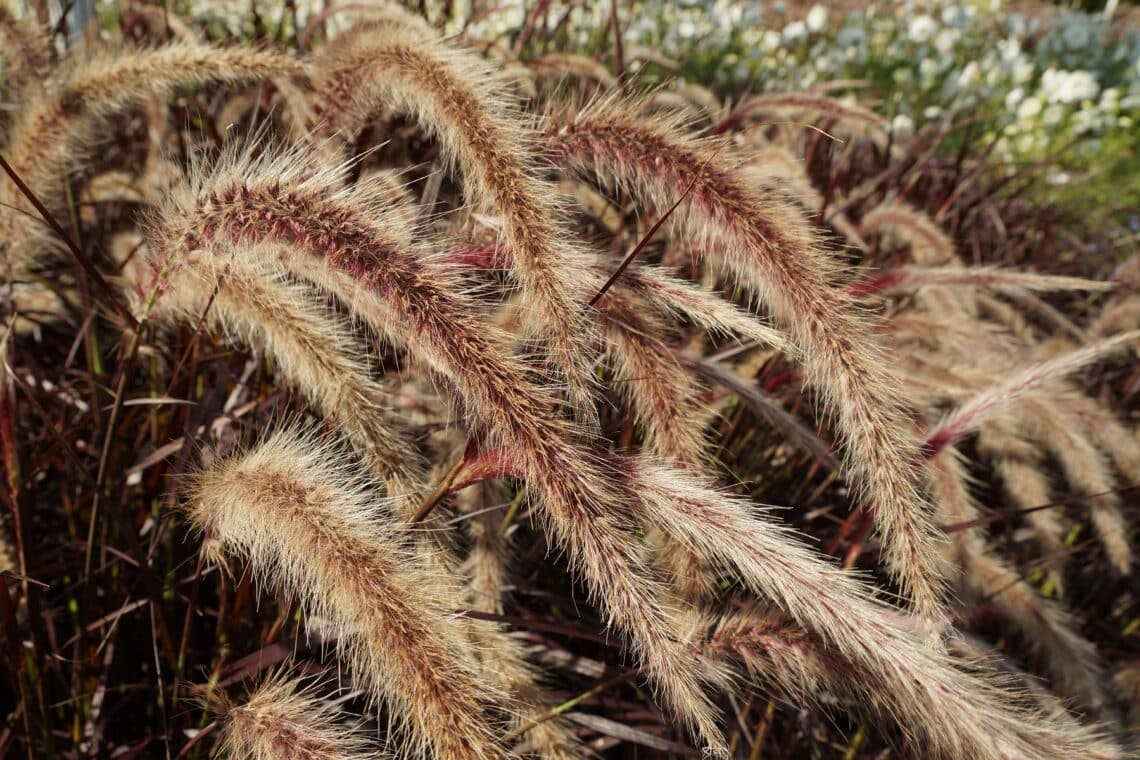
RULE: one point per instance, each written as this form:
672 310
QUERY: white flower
1021 69
770 41
816 18
1088 120
727 15
921 28
1010 49
1013 97
902 125
1027 144
928 71
954 16
931 113
945 40
1061 86
1057 178
1053 114
686 29
796 30
1029 109
969 75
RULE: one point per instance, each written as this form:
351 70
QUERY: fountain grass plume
60 123
460 100
663 396
964 715
26 58
929 244
1087 470
252 301
763 244
1048 628
997 398
302 516
1021 468
851 119
285 719
588 497
907 279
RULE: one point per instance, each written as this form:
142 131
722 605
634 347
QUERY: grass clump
462 380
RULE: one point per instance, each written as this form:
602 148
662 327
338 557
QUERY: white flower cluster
1038 86
1059 86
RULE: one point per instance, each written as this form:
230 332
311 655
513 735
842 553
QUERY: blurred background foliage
1047 88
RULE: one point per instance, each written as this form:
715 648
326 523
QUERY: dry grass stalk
10 554
307 524
284 719
738 381
767 247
